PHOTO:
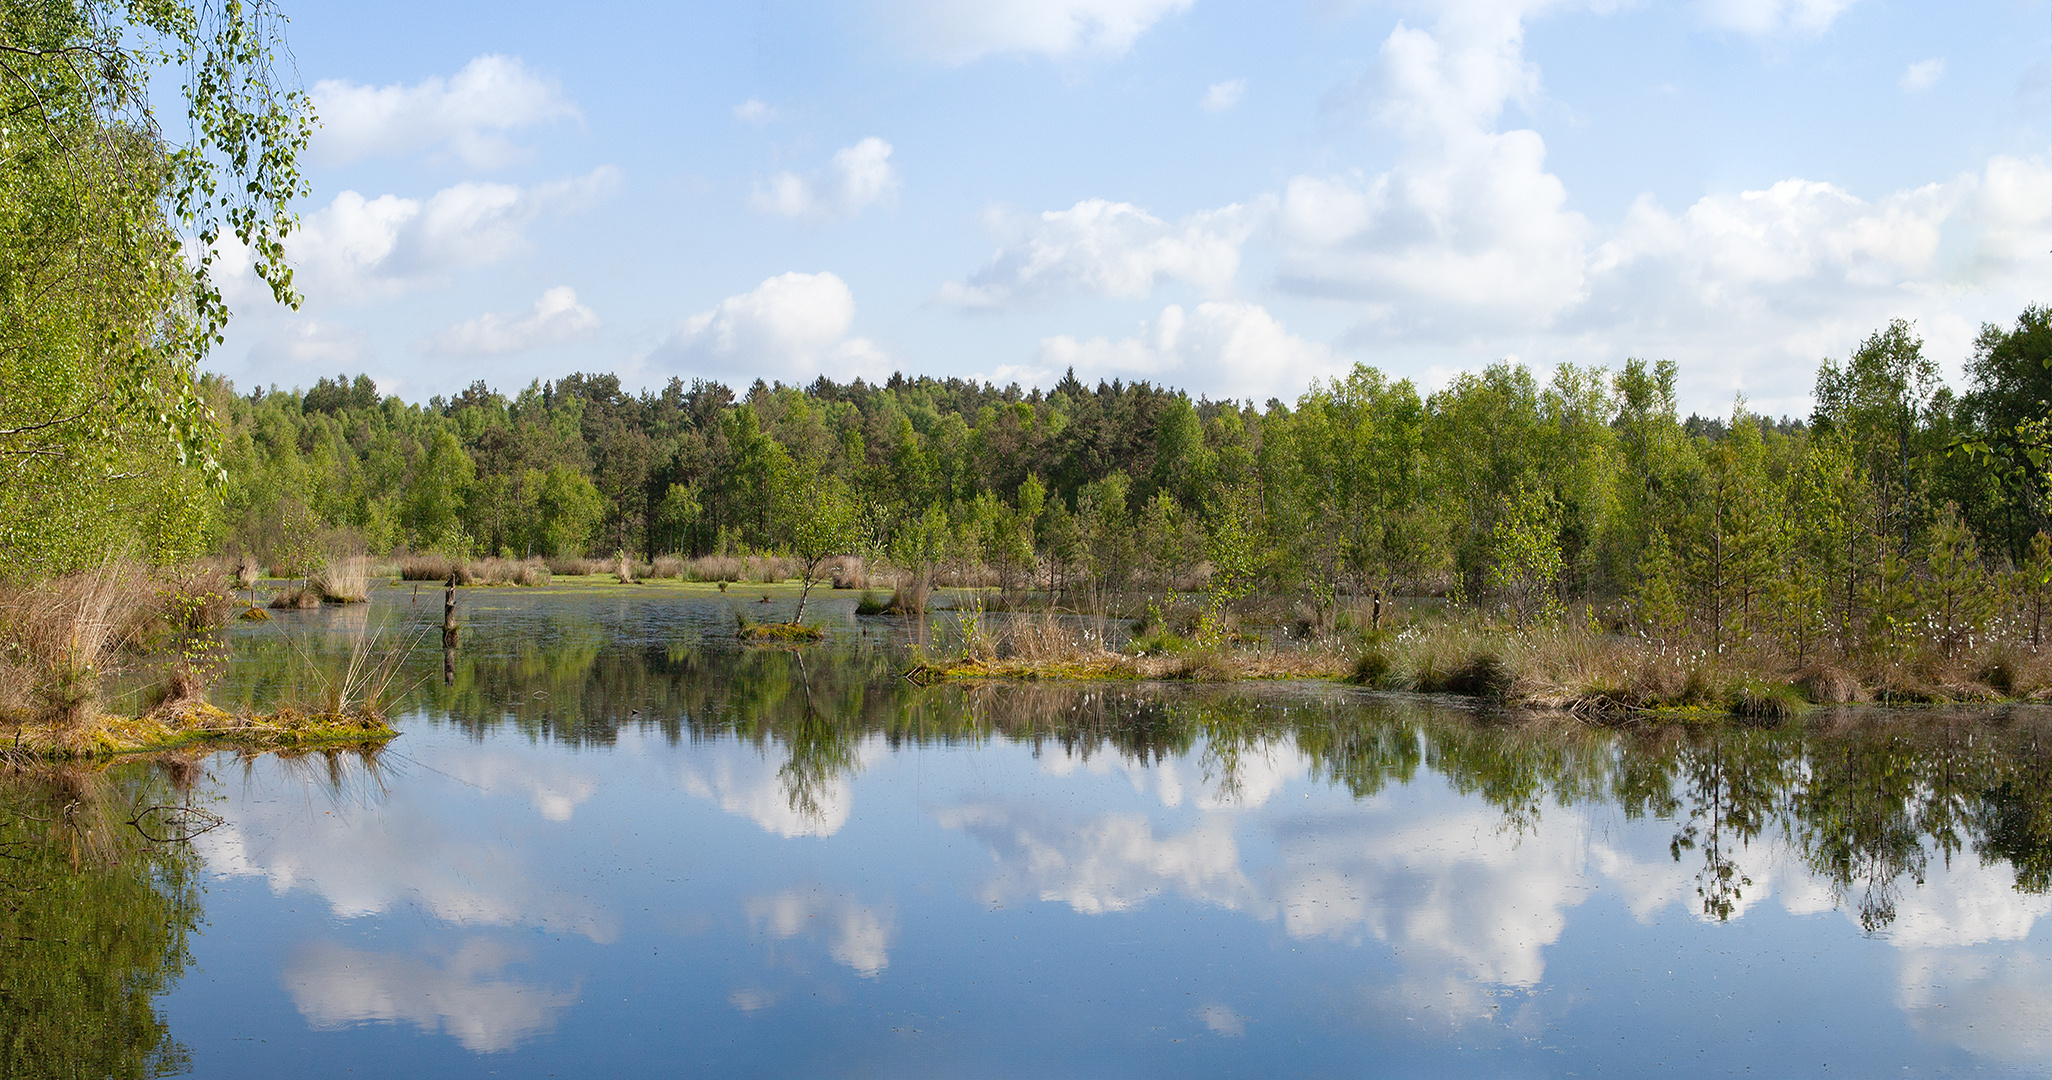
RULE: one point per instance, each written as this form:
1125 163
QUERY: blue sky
1232 198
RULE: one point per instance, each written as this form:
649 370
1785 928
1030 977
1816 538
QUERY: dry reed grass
488 571
363 688
343 581
297 598
1052 647
63 635
848 572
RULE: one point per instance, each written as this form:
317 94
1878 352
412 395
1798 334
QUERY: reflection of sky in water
987 896
661 901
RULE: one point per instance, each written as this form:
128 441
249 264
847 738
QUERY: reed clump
848 572
343 581
65 641
62 640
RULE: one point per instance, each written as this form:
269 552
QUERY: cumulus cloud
1922 75
554 318
1222 1020
357 247
755 111
466 997
957 33
859 176
467 115
1762 17
1232 348
1110 249
1755 286
792 326
1468 227
1224 95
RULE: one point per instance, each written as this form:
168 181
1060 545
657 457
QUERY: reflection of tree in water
1729 786
1864 798
2012 818
98 896
95 919
821 751
1857 819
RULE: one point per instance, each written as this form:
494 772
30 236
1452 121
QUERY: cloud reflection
745 782
466 997
414 847
858 936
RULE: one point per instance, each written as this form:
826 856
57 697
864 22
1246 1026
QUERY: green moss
201 724
783 632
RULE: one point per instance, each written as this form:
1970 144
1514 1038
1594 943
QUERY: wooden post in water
449 633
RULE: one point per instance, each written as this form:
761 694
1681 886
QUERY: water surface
615 841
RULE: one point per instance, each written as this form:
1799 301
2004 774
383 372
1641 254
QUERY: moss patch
780 632
190 724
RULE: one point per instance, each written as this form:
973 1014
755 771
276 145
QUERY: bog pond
613 841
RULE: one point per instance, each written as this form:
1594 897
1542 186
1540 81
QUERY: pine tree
1956 596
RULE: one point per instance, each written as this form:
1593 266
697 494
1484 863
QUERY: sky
1235 199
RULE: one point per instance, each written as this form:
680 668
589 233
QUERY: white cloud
556 317
1111 249
334 986
1922 75
1997 1005
1220 347
755 111
957 33
309 344
1751 289
1468 230
1762 17
859 936
1224 95
792 326
467 115
860 175
357 247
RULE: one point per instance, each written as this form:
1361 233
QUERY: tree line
1889 506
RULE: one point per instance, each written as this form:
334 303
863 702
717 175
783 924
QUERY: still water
615 842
